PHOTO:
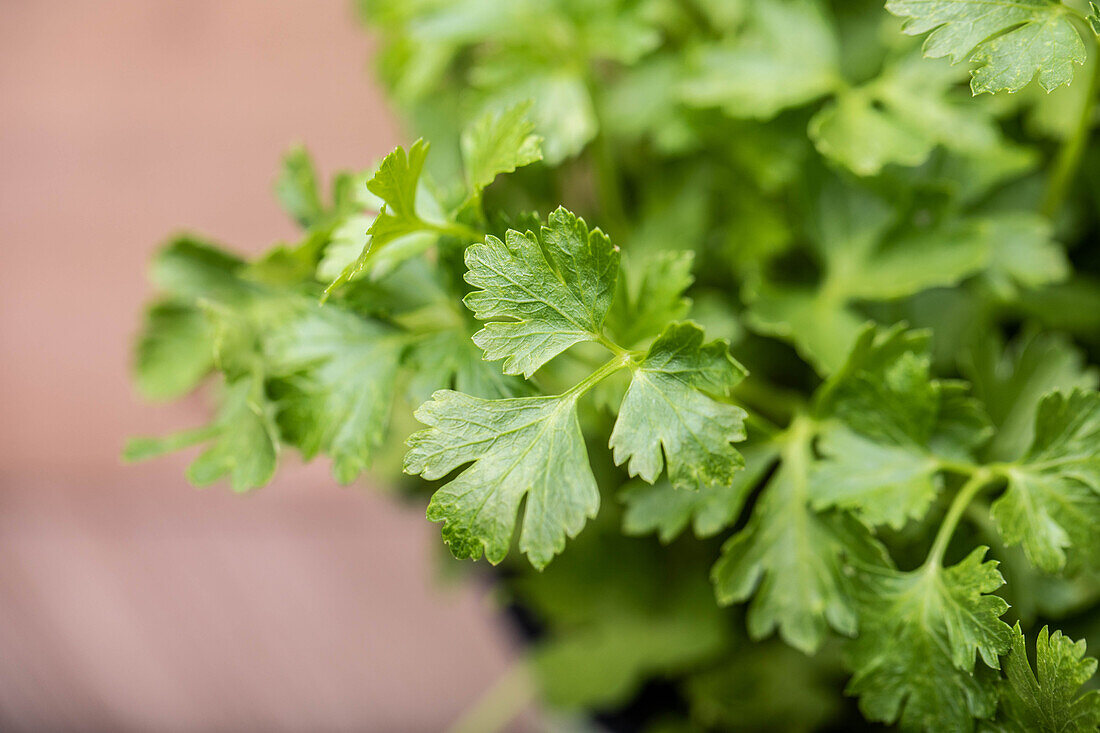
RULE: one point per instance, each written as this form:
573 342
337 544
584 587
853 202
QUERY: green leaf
1048 701
449 360
563 113
899 117
1009 42
617 612
556 287
787 56
1010 381
397 184
1052 504
882 483
1025 252
191 268
668 406
175 351
602 665
914 658
859 262
884 390
666 510
499 143
347 249
650 295
891 424
821 329
795 561
751 690
338 373
529 446
244 434
289 265
297 189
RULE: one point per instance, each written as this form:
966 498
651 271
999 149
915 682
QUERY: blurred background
128 599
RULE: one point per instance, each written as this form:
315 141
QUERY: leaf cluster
754 339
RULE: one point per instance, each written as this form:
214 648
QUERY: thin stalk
605 371
758 422
778 404
458 230
499 705
611 346
973 486
607 187
608 190
1069 157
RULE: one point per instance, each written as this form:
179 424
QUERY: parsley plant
754 337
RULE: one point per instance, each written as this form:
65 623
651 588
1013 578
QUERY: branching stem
978 480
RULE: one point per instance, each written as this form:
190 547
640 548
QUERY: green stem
973 486
619 362
1069 157
611 346
608 190
779 404
499 705
960 467
457 230
758 422
698 18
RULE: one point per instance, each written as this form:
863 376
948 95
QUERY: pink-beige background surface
129 600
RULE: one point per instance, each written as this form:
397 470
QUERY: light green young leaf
795 561
1048 700
914 659
666 510
348 240
1009 42
786 57
351 238
668 406
396 183
1052 504
297 189
499 143
338 373
245 440
557 287
529 446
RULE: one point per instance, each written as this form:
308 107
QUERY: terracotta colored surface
129 601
